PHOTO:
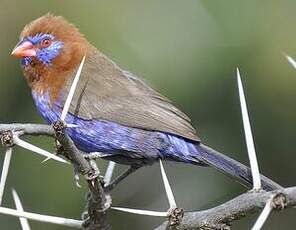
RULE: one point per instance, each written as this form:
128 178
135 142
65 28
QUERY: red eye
45 42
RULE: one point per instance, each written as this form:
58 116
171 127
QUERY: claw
93 183
76 180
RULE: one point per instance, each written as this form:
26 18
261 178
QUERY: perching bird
117 114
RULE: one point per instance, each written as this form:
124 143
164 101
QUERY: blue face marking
43 54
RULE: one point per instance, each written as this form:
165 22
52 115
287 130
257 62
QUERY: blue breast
126 144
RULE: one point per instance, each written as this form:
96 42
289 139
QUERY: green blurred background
188 50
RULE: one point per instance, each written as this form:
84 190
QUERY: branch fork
279 201
97 204
175 216
6 138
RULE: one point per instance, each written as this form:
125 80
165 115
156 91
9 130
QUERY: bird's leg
109 187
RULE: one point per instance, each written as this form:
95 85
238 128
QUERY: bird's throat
41 79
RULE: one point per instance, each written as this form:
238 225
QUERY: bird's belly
130 145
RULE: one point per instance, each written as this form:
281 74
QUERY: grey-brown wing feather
106 92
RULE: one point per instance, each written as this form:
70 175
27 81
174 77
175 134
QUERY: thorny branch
28 129
221 216
96 198
98 202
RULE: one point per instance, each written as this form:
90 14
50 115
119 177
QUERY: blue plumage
138 147
118 142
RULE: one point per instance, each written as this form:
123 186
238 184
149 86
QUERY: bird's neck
46 80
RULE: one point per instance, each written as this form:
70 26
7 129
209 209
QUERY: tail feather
232 167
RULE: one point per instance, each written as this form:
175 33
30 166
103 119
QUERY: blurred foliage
189 51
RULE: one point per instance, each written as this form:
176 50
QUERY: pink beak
24 50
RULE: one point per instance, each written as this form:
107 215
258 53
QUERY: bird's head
41 47
49 49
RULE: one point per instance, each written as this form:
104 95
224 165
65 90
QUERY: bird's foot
76 176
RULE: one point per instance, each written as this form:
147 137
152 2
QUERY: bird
115 113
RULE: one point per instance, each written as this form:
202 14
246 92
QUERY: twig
97 204
235 209
28 129
73 153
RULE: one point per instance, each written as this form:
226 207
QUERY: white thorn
4 173
249 136
18 204
109 172
263 215
167 187
93 155
71 126
45 160
37 150
141 212
72 91
291 60
42 218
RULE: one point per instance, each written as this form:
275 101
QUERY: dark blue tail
232 167
183 150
